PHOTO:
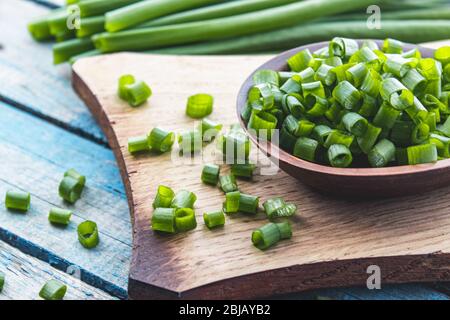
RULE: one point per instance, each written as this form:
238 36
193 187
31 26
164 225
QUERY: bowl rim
279 63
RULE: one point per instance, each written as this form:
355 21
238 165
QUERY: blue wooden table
44 130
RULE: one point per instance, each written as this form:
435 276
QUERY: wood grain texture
334 239
26 275
30 81
35 155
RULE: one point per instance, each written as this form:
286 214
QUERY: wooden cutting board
334 241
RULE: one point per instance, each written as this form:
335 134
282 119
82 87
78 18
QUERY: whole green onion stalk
249 23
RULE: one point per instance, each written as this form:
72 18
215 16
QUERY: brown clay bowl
355 182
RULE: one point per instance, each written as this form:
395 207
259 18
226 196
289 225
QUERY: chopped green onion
368 57
266 236
386 116
315 105
163 220
300 61
263 123
209 129
248 203
261 97
431 121
244 170
266 76
231 204
124 81
325 75
382 153
71 186
228 183
292 85
287 139
306 148
446 73
74 174
269 234
2 281
199 105
164 197
214 219
443 55
235 146
420 133
134 92
347 95
184 199
210 174
367 141
291 104
442 144
17 200
393 46
190 142
424 153
70 189
339 137
160 140
185 219
399 66
401 133
315 87
356 74
321 133
138 144
277 208
343 47
417 112
59 216
356 101
53 290
335 112
285 230
371 83
88 234
414 81
339 156
355 123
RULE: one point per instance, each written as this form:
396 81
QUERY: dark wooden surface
44 129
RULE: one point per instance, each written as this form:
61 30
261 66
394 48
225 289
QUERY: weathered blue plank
34 156
30 81
26 275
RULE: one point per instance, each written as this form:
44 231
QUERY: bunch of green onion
356 105
224 27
